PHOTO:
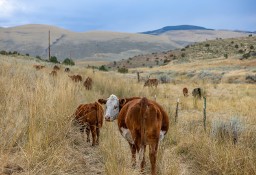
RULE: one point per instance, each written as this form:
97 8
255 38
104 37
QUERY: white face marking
162 135
112 108
127 135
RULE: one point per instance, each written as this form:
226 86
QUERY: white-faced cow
141 122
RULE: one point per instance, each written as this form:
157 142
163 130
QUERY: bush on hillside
54 59
123 70
68 61
103 68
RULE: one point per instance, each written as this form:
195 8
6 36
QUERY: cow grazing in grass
151 82
90 117
141 122
88 83
38 67
53 73
56 68
185 91
76 78
197 93
67 69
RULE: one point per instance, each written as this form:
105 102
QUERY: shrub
54 59
27 54
240 51
251 47
183 49
103 68
164 78
226 55
183 55
207 45
123 70
236 46
68 61
3 52
246 55
226 130
38 57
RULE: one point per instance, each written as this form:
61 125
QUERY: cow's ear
102 101
122 102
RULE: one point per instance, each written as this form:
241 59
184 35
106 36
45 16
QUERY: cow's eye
115 107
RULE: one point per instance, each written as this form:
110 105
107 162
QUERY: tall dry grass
36 131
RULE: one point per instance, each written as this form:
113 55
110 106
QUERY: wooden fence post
177 108
204 113
138 76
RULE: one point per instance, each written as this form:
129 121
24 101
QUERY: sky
129 15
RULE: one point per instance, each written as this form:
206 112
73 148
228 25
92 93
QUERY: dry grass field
37 135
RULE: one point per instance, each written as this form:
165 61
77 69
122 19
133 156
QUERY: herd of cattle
141 121
76 78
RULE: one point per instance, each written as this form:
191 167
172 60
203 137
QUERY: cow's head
113 106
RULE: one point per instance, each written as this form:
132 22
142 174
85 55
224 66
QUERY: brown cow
76 78
38 67
56 68
53 73
185 91
141 122
151 82
88 83
90 116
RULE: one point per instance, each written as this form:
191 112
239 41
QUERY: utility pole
49 46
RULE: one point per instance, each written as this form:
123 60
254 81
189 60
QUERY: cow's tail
143 109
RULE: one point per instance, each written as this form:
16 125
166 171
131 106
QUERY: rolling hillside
228 60
98 45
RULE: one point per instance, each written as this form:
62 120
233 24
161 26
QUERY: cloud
10 7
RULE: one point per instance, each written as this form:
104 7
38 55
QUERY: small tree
103 68
68 61
123 70
226 55
54 59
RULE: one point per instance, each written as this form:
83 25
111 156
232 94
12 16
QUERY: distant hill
94 45
101 45
171 28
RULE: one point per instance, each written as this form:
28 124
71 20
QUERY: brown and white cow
185 91
151 82
88 83
76 78
90 117
141 122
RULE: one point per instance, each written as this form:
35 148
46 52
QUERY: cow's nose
107 117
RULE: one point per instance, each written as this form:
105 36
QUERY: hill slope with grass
37 109
228 60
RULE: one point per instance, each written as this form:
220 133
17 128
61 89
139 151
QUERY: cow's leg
133 151
152 157
143 162
93 129
88 129
98 135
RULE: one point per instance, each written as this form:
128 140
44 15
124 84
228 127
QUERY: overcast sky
129 15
